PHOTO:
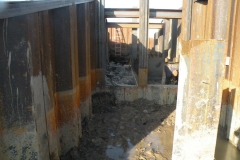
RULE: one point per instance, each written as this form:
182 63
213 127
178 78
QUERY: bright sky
159 4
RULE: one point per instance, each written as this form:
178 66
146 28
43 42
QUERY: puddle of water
117 152
225 150
154 143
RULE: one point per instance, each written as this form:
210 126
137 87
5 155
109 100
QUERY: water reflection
225 150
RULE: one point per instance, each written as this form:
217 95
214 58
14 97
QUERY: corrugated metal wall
48 70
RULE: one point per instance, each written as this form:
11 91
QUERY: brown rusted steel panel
199 99
93 50
142 76
216 19
17 127
231 33
61 29
187 19
34 37
96 30
74 44
67 90
84 59
102 40
221 19
75 70
49 81
82 39
143 41
14 62
235 71
67 121
88 58
198 25
134 13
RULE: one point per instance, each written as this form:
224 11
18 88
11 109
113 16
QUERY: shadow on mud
137 130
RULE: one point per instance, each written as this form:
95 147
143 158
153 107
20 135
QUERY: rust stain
185 47
65 110
21 130
225 92
98 76
93 79
85 87
52 123
142 77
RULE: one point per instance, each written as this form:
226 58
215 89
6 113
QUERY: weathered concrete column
143 43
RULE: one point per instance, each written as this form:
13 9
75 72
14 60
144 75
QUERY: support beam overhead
132 25
17 8
134 13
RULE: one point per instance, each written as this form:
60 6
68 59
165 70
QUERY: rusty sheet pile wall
230 112
48 70
207 33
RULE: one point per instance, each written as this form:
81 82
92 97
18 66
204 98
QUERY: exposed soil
141 130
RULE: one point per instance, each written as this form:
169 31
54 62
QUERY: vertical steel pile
48 71
202 67
143 43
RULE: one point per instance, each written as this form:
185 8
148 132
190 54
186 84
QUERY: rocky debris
118 75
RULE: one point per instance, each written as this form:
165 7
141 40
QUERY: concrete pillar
143 42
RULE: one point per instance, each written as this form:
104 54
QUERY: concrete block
131 94
149 95
119 93
141 92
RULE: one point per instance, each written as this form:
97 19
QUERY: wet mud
141 130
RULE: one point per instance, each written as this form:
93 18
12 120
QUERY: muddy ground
141 130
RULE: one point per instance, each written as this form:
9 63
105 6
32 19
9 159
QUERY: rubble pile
119 75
